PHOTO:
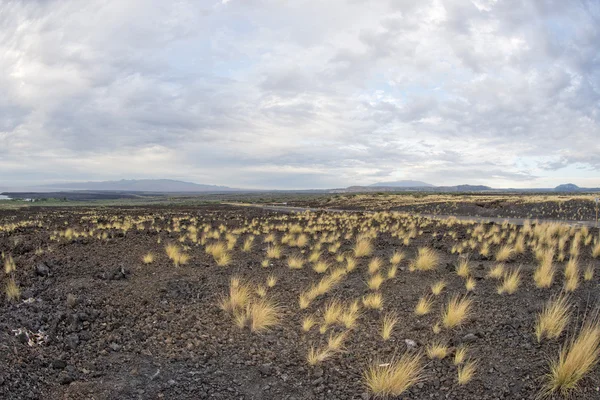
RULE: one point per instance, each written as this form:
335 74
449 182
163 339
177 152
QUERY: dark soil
118 329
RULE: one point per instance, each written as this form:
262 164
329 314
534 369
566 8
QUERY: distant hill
404 184
567 187
142 185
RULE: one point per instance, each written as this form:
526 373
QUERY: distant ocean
3 197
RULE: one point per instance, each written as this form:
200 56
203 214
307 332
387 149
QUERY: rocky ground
94 322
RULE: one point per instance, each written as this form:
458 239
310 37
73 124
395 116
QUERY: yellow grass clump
437 350
466 372
511 282
588 273
176 255
423 305
363 248
460 355
295 262
308 322
544 273
12 290
456 311
9 265
462 269
374 265
571 275
397 258
394 378
316 355
274 251
373 300
553 319
496 272
427 260
148 258
387 326
470 284
321 266
438 287
504 253
375 281
575 360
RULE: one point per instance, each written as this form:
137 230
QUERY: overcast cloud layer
301 94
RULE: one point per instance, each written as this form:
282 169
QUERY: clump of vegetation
511 282
395 377
437 288
575 360
373 300
427 260
176 255
423 306
456 311
553 319
466 372
504 253
148 258
387 326
437 350
363 247
12 290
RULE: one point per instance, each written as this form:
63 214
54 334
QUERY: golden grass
576 359
295 262
395 377
571 275
148 258
427 260
223 260
264 263
271 281
438 287
332 312
274 251
176 255
316 356
350 264
238 297
588 273
470 284
456 311
596 250
504 253
462 269
321 266
362 248
308 322
248 243
466 372
374 265
12 290
314 256
350 315
423 306
496 272
336 342
553 318
375 282
460 355
511 282
392 271
262 314
544 273
9 265
373 300
387 326
397 257
437 350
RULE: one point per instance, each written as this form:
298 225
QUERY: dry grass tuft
544 273
437 350
397 258
336 342
262 314
374 265
456 311
423 306
373 300
576 359
321 266
316 356
308 323
176 255
462 269
238 298
504 253
12 290
496 272
572 275
274 251
438 287
375 282
588 273
271 280
470 284
363 247
466 372
511 282
460 355
295 262
427 260
148 258
553 319
387 326
350 315
395 377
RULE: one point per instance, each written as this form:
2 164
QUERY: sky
301 94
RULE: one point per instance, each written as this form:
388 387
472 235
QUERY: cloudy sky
301 94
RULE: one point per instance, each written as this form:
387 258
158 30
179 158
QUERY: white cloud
263 93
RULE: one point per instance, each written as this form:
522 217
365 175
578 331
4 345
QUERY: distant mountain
142 185
405 184
567 187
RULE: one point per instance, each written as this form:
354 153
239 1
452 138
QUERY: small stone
265 369
72 341
42 270
59 364
115 346
469 338
410 344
